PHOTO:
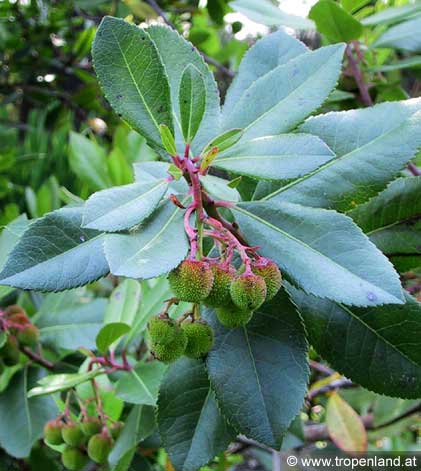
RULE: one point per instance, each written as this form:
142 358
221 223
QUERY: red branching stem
190 230
226 236
35 357
414 169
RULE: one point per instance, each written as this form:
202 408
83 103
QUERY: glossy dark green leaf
123 207
376 347
10 235
139 424
264 56
141 385
334 22
155 248
23 419
176 54
192 429
192 101
55 254
109 333
388 136
67 321
61 382
322 251
392 221
297 88
132 77
275 157
260 372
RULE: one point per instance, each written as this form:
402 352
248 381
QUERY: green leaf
3 338
218 188
267 54
140 423
167 139
55 254
175 172
265 12
141 385
154 249
152 171
61 382
389 133
132 77
345 426
405 36
353 5
322 251
190 424
222 142
297 88
67 321
259 372
192 101
376 347
89 161
392 15
124 303
413 62
123 207
22 419
10 236
275 157
176 54
334 22
109 334
392 220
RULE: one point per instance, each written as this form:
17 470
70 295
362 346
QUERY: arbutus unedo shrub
227 281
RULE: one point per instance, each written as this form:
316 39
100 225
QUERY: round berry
91 426
72 434
199 339
248 291
222 279
99 447
162 331
270 272
191 281
52 432
74 459
231 316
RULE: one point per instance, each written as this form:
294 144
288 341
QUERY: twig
160 12
358 76
339 383
414 169
321 368
38 358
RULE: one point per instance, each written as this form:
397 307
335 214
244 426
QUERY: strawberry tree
272 227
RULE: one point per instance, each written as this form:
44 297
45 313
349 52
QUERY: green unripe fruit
248 291
231 316
91 426
52 432
72 434
162 331
199 339
28 336
167 353
270 272
99 447
74 459
10 351
191 281
220 292
116 429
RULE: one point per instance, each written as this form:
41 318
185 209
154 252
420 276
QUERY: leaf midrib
134 81
308 247
128 203
292 94
338 159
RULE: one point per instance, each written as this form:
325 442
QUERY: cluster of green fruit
18 331
169 340
235 295
81 442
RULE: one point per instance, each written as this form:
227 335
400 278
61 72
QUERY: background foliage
60 142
